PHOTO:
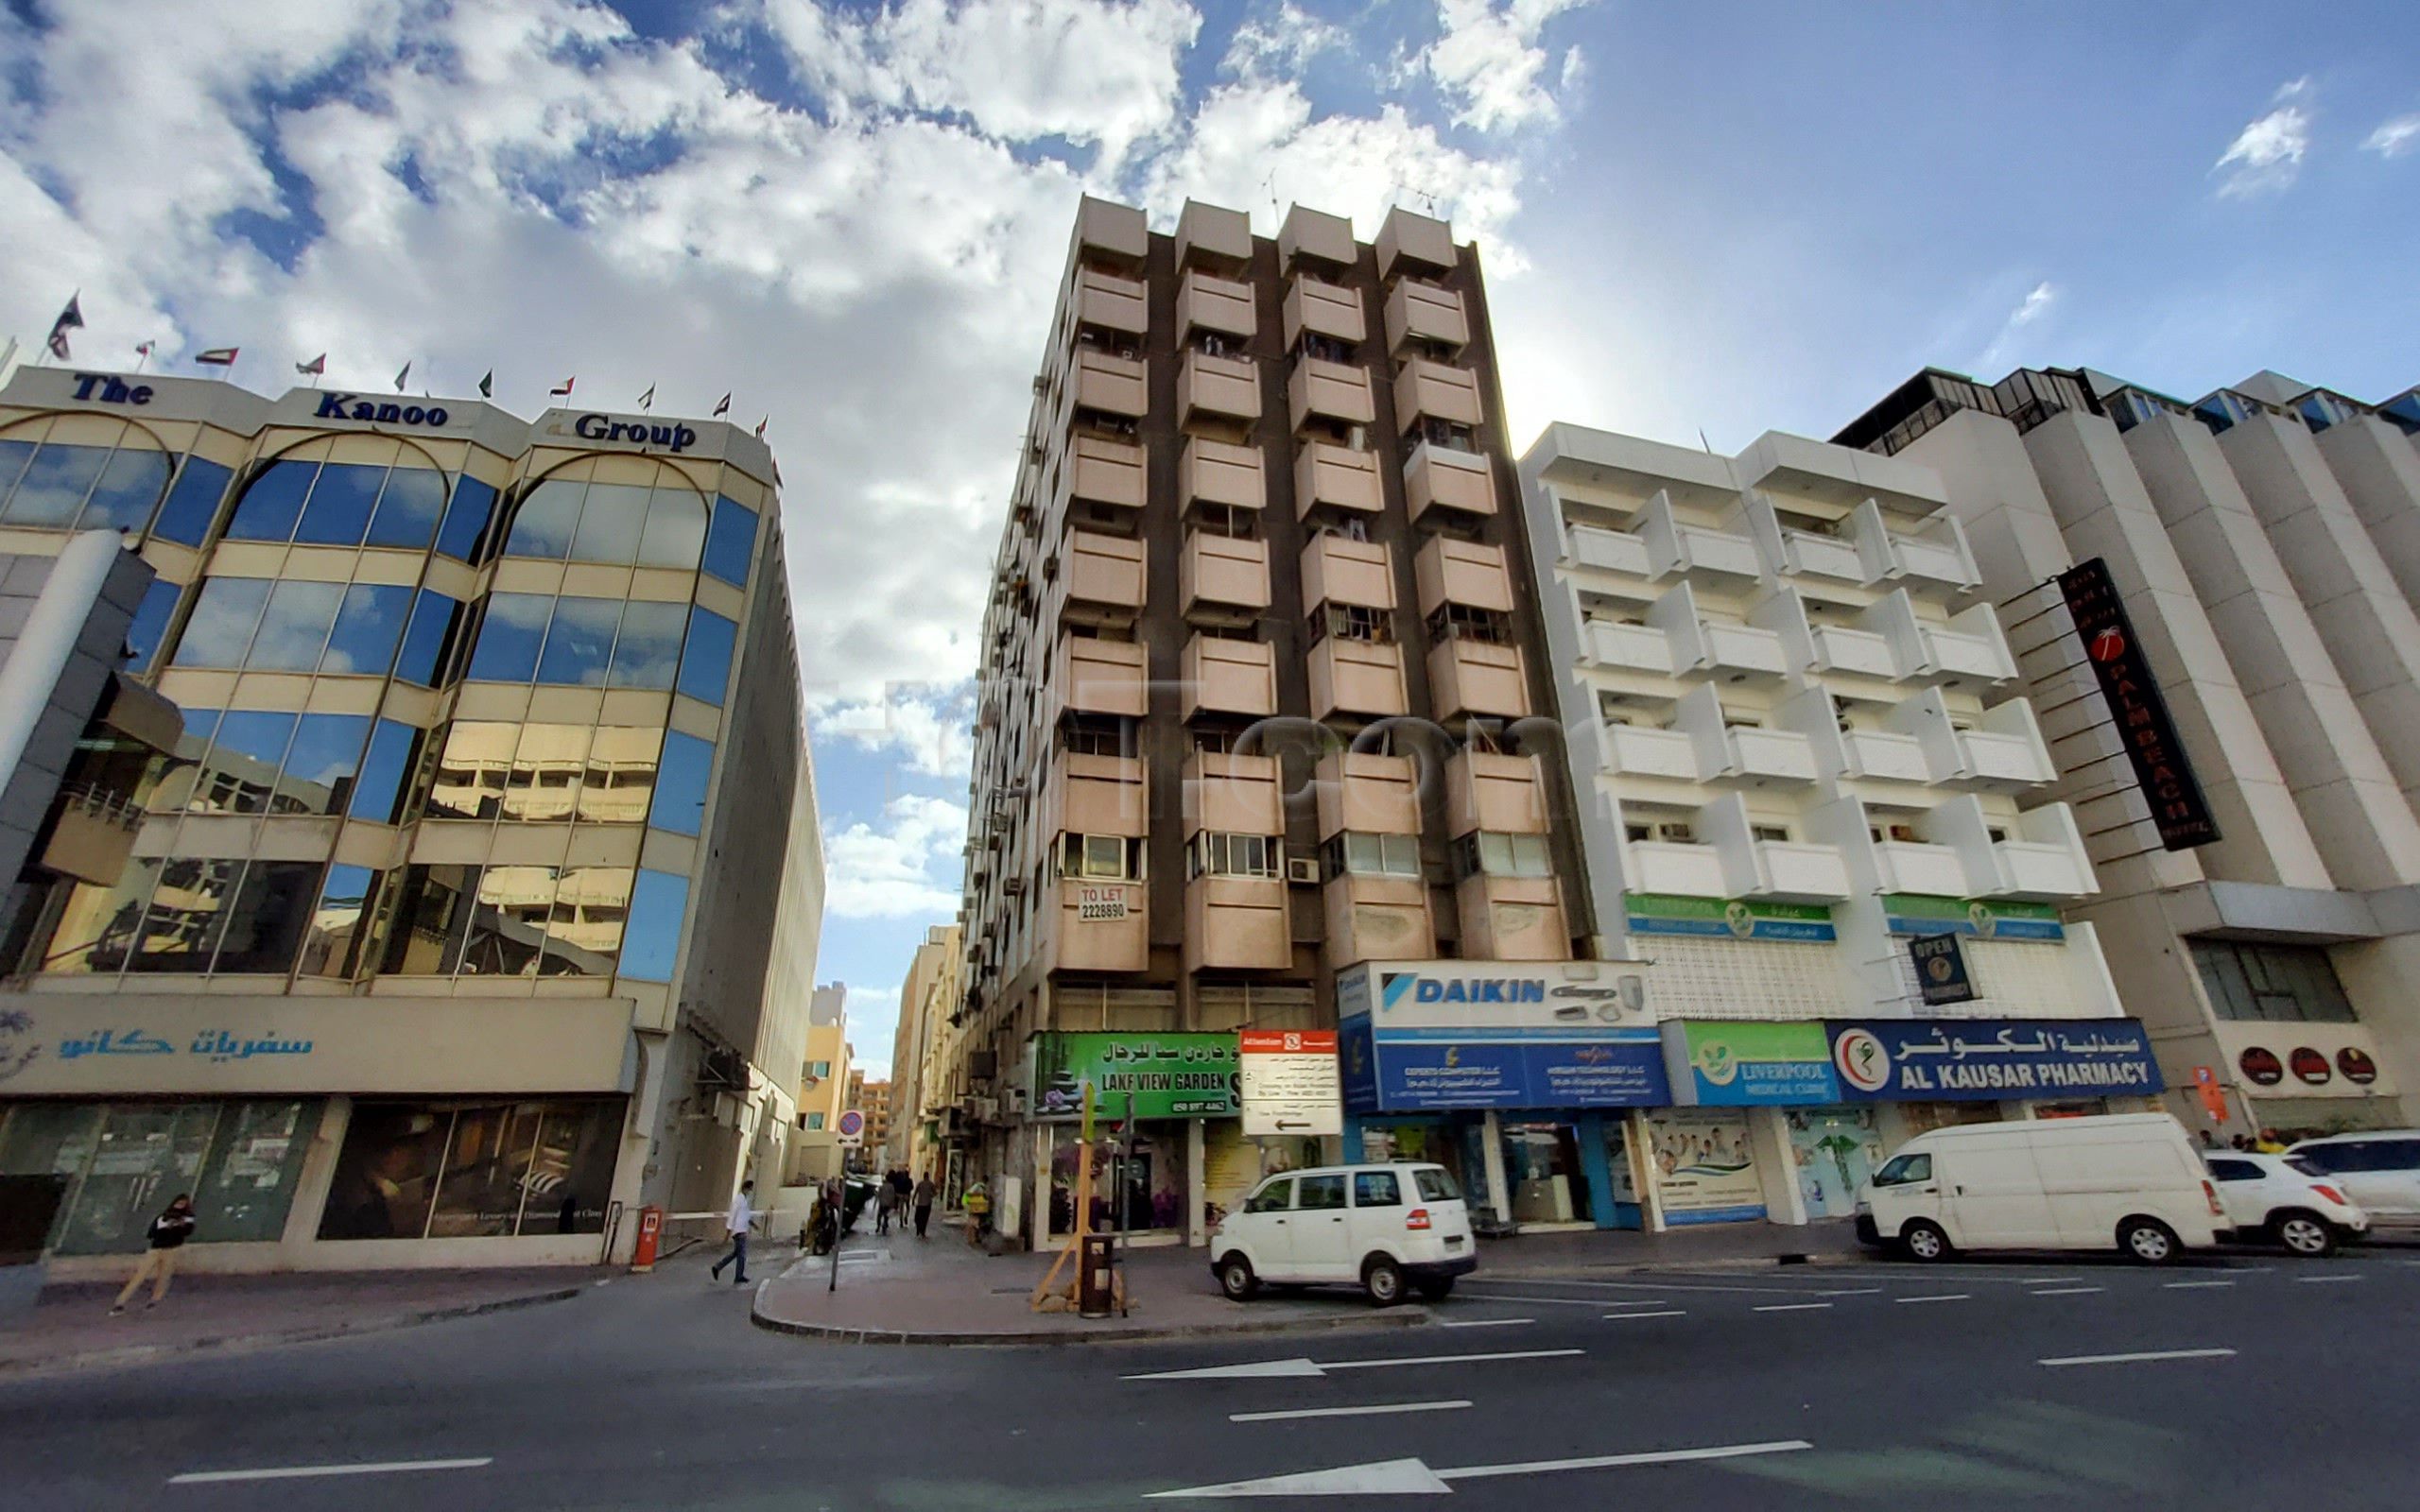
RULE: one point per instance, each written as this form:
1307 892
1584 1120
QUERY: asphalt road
2255 1382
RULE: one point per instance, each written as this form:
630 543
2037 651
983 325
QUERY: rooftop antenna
1428 201
1270 184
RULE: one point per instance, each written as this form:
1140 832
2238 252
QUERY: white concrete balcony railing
1804 552
1741 651
1907 866
1675 547
1878 754
1777 754
1838 648
1614 550
1630 647
1658 865
1934 561
1807 873
1958 655
2040 870
1631 751
2003 761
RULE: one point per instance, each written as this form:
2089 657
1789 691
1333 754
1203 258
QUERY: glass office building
428 946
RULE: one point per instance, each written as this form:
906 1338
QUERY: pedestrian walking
167 1235
976 1201
886 1202
737 1224
924 1200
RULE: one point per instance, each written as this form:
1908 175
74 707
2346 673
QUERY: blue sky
1725 219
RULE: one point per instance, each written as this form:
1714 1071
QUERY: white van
1385 1227
2131 1181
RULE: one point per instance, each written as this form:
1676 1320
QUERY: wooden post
1073 1250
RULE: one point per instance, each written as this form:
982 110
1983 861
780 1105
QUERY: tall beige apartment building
924 1059
1252 751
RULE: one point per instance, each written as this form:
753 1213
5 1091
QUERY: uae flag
723 408
70 319
217 358
564 392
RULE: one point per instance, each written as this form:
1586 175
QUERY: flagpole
141 356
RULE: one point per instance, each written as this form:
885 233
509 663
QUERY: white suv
2379 1170
1385 1227
2266 1198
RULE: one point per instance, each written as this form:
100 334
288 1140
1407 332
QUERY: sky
1695 221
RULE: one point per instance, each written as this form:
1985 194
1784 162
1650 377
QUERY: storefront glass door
1541 1166
148 1154
1629 1212
1832 1151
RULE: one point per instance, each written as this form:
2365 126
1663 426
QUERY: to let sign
2149 736
1289 1082
1100 902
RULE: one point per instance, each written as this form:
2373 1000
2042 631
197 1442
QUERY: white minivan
2128 1181
1385 1227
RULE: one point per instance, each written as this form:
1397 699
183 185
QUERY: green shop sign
1908 913
1750 1064
1655 913
1168 1076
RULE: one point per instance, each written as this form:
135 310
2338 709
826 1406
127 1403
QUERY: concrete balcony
1104 576
1237 924
1433 390
1447 478
1511 918
1768 755
1377 918
1488 790
1957 656
1419 314
1222 577
1223 388
1801 873
1626 647
1612 551
1462 571
1950 566
1659 865
1885 755
1096 677
1101 471
1967 651
1416 243
1675 547
2005 750
1631 750
1102 926
1213 236
1361 678
1109 231
1317 389
1357 790
1096 794
1909 865
1229 676
1325 309
1317 235
1807 554
1103 299
1338 570
1934 558
1338 477
1477 677
1207 302
2044 860
1738 653
1116 386
1221 473
1232 793
1862 653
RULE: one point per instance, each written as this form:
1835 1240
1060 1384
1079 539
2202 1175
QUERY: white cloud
2267 154
2394 138
2035 304
905 868
1487 61
1279 45
931 730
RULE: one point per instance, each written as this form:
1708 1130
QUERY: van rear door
1992 1194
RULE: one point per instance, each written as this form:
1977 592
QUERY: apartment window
1218 854
1904 834
1777 833
818 1069
1365 853
1214 344
1663 831
2288 982
1099 858
1996 833
80 487
1447 433
1462 621
1096 735
1355 622
1324 348
815 1121
1494 853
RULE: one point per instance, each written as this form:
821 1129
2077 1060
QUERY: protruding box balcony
1932 556
1468 676
1884 755
1339 570
1447 478
1433 390
1317 235
1634 751
1114 385
1862 653
92 834
1492 791
1969 649
1319 390
1693 871
1096 677
1462 571
1614 550
1221 473
1110 232
1805 873
1511 918
1423 313
1359 678
1808 553
1361 790
1226 389
1421 244
1626 647
1326 309
1914 866
1733 653
1103 926
1232 793
1212 236
1337 477
1096 794
1101 471
2043 859
1222 577
1768 755
1376 917
1104 577
1237 924
1103 299
2004 751
1228 677
1207 302
1700 553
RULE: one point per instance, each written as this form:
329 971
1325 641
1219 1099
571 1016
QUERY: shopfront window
240 1161
460 1170
1541 1166
1833 1150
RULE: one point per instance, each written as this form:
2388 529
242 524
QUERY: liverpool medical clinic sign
2134 702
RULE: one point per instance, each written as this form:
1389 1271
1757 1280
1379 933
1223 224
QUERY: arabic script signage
1655 913
2134 703
1168 1075
1912 913
1987 1059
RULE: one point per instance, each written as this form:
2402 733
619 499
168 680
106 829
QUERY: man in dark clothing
924 1200
168 1234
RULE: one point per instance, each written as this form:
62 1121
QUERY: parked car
1387 1228
2379 1170
2267 1198
2128 1180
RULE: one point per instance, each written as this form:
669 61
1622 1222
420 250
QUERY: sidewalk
894 1290
70 1327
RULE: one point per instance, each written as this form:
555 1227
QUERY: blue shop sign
1424 1069
1988 1059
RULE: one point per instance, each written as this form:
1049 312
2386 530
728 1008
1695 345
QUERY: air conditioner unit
1013 887
983 1109
1303 869
1013 1101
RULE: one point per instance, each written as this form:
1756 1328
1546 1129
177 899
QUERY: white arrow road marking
1266 1369
2132 1359
1412 1477
296 1473
1374 1410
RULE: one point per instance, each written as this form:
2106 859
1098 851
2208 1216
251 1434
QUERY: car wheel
2148 1240
1925 1239
1237 1279
1436 1291
2305 1233
1383 1279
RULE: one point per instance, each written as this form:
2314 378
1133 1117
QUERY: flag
723 408
647 401
401 376
487 385
760 426
564 392
143 348
315 368
217 358
70 319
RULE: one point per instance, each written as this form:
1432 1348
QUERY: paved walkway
70 1327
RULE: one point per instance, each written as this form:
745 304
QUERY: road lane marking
1486 1322
1374 1410
1449 1359
1660 1286
1666 1456
1298 1368
2133 1359
2191 1286
1535 1301
1854 1291
1792 1307
2323 1281
1937 1297
1667 1313
2069 1291
296 1473
1412 1477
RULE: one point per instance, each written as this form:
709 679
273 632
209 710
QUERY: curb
840 1333
153 1353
